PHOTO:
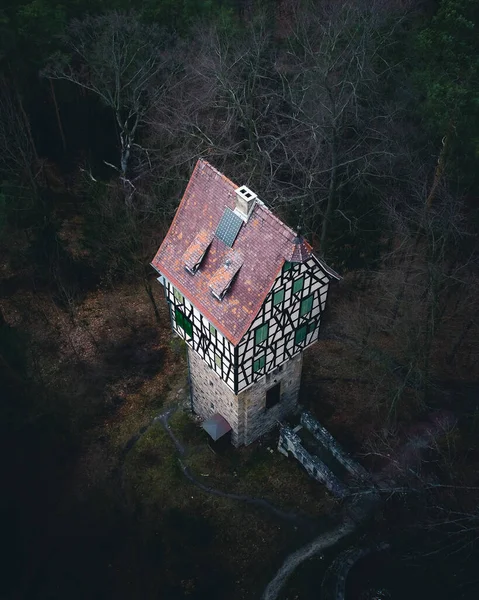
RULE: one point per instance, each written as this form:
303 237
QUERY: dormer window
223 278
197 250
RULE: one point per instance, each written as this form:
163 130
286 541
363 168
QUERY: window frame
308 299
275 294
302 327
264 325
300 281
262 360
183 322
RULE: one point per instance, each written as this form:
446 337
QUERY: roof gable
254 261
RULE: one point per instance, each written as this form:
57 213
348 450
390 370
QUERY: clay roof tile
257 256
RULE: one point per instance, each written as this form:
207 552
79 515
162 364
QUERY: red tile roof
264 243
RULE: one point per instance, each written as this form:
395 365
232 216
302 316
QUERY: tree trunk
149 292
27 123
441 165
57 113
331 198
460 339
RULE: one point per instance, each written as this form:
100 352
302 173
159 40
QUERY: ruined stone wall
326 439
290 443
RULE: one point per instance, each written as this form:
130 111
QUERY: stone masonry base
246 412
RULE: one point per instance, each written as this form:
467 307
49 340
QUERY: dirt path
322 542
353 515
163 418
366 502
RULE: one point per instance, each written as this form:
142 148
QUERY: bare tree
221 101
336 126
124 63
18 155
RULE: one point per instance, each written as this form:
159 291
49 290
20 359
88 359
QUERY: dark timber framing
236 363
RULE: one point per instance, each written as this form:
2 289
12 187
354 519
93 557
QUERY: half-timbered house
246 294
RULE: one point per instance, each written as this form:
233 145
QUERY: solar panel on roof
229 226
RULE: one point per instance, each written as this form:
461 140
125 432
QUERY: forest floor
116 513
120 514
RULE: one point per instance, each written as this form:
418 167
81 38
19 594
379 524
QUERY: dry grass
248 541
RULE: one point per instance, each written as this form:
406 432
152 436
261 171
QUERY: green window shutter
300 334
259 363
179 318
287 266
183 322
298 285
212 329
218 360
278 297
312 326
306 305
261 334
188 327
178 295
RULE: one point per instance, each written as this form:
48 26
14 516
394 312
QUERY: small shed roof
216 426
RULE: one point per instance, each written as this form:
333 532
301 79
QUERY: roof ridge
282 224
204 162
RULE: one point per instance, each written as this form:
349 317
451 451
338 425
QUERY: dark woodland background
359 122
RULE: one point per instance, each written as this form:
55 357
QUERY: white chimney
245 201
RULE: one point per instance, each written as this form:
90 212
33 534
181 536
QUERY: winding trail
334 580
319 544
366 502
163 418
353 515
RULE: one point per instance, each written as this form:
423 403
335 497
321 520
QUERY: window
306 305
218 360
183 322
287 266
212 329
278 297
300 334
298 285
273 395
259 363
261 334
178 295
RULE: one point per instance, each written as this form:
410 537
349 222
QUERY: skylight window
229 226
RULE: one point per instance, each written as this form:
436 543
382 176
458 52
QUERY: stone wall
258 419
211 395
246 412
290 442
326 439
